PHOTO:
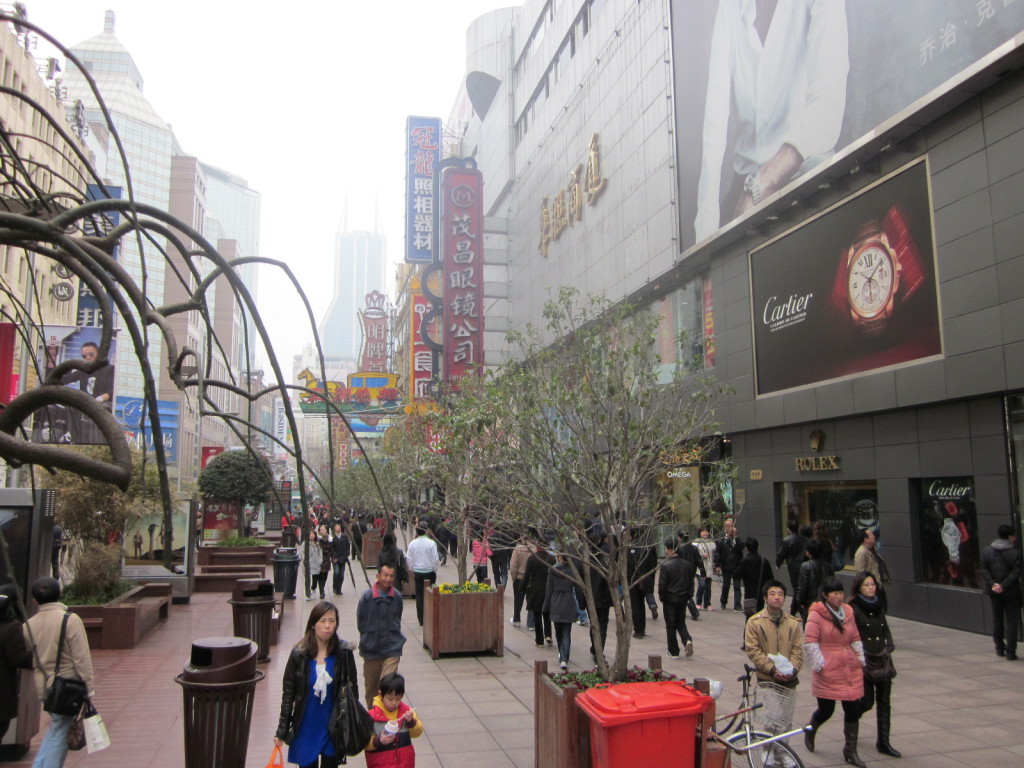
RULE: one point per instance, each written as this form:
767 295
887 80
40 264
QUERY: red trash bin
648 724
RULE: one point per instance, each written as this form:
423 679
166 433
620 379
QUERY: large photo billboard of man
55 423
767 91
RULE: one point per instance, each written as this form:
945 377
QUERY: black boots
809 735
850 750
883 745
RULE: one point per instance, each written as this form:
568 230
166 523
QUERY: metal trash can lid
249 590
285 554
221 660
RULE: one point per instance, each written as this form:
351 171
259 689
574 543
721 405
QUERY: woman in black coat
14 656
869 613
318 669
535 582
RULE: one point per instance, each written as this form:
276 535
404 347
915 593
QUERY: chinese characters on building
423 152
562 210
462 270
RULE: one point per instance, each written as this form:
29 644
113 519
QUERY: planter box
122 623
234 555
464 623
561 731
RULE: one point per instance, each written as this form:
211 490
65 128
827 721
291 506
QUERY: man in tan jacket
772 632
43 631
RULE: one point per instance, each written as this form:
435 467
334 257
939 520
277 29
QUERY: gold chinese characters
565 207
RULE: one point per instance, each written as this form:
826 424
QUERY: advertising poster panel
55 423
144 545
850 291
221 520
949 532
763 98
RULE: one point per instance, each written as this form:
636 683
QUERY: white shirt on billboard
789 90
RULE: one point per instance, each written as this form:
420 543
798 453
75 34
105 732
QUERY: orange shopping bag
276 759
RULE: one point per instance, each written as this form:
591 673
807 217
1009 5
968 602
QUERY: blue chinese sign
422 154
131 414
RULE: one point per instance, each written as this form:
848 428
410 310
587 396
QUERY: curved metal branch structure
77 235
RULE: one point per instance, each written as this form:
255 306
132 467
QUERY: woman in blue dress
317 669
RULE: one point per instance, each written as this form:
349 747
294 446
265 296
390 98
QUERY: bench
126 620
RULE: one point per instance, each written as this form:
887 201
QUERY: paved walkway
955 702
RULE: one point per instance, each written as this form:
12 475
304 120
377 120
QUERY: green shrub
588 678
243 541
97 575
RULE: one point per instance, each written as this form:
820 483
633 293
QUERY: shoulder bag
66 695
351 726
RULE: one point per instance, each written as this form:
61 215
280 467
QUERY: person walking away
792 552
641 563
535 583
386 749
516 573
775 646
481 554
833 649
560 605
44 631
341 548
878 647
1001 570
424 561
326 558
379 621
14 656
675 590
754 571
602 596
708 554
315 555
866 558
688 551
315 675
730 551
501 544
813 571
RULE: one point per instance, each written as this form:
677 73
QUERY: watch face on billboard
766 93
850 291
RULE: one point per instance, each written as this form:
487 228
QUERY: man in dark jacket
341 548
730 551
792 552
1001 569
379 621
675 590
641 563
688 552
754 571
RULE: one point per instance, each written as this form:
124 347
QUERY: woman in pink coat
833 650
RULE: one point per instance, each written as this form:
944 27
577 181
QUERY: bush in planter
243 541
588 678
463 589
97 576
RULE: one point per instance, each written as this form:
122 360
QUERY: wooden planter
464 623
235 555
122 623
561 731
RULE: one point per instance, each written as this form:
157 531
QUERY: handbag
878 668
276 759
351 726
76 734
65 695
96 736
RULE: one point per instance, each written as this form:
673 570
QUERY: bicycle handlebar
747 672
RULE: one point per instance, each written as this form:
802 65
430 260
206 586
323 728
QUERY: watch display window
835 512
947 528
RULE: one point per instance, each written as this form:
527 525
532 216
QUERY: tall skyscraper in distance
359 266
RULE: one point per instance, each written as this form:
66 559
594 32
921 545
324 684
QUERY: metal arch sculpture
78 234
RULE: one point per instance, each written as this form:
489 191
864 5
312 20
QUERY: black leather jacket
296 676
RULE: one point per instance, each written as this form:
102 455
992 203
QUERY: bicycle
760 746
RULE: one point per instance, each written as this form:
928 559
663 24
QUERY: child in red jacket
395 725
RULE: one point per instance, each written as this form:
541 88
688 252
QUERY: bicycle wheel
776 754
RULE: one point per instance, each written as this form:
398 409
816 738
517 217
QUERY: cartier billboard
851 290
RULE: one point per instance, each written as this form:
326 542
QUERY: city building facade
826 213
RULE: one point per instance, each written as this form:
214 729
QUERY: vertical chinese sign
420 355
374 320
422 154
462 244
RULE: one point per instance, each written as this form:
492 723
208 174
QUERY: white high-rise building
358 270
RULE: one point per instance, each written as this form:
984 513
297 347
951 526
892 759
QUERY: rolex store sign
849 291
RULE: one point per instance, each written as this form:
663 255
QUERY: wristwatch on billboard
879 269
752 184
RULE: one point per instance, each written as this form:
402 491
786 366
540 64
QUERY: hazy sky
306 100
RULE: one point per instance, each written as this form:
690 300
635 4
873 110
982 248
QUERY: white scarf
322 680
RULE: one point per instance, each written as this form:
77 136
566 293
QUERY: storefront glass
948 531
842 508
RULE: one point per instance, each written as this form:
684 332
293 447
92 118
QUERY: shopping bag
76 736
276 759
96 737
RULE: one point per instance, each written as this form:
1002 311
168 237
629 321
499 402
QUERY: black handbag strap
60 644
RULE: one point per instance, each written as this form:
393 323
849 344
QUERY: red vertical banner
8 378
709 324
420 356
462 244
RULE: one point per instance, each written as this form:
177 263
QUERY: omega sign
817 464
